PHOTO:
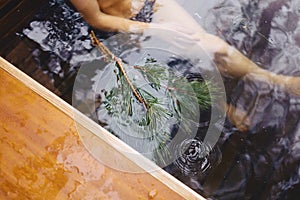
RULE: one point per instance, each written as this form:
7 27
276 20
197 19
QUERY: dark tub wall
14 16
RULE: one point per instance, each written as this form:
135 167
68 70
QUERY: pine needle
111 57
170 100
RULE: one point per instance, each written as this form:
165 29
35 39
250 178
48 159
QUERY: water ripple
195 157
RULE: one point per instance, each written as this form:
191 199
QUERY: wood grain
42 156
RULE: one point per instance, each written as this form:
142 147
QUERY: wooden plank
18 14
41 154
6 5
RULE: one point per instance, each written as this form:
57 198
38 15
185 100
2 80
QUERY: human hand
175 34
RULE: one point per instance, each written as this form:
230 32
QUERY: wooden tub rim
144 163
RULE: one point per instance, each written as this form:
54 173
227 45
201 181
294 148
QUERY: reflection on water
261 163
170 109
271 145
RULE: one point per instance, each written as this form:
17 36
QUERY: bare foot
237 117
292 85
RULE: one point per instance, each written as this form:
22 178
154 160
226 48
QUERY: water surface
260 163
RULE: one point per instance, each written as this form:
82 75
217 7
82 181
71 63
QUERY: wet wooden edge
118 145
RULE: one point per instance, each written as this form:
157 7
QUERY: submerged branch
102 48
111 57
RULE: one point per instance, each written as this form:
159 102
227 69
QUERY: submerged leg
169 12
228 59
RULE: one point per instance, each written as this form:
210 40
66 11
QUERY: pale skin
114 15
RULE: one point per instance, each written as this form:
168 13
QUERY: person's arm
92 14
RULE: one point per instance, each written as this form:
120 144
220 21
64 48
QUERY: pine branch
110 57
169 99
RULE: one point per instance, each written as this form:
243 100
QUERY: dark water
261 163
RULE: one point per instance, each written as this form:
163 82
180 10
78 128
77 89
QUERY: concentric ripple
196 157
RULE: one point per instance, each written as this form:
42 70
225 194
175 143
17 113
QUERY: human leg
229 60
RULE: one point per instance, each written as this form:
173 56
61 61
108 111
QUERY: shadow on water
260 163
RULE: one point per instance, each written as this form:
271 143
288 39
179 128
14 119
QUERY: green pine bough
153 104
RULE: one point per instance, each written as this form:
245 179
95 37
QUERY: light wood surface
42 156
